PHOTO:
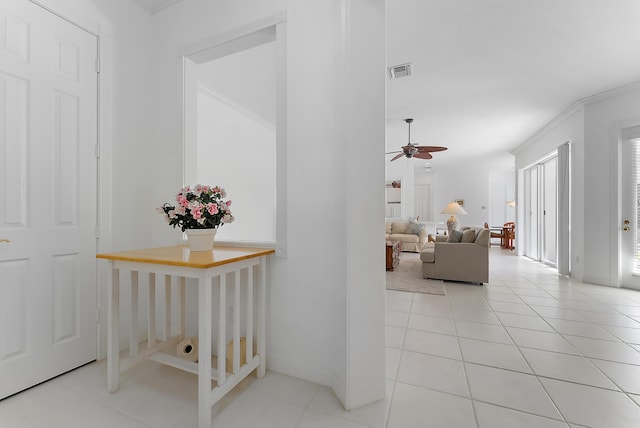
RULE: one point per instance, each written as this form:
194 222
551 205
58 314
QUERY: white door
630 219
421 198
48 134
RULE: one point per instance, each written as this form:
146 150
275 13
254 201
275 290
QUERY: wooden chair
493 234
509 232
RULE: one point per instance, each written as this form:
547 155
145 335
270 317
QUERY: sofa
412 235
464 257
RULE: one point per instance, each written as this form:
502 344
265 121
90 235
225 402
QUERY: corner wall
326 299
593 126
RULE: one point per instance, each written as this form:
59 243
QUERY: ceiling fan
415 151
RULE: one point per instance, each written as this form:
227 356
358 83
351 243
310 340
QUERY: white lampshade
453 208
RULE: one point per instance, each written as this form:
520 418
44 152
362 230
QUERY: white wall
593 127
605 117
247 78
326 300
238 152
474 183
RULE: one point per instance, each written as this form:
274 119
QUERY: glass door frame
534 210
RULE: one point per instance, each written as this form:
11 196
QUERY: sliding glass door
550 212
541 211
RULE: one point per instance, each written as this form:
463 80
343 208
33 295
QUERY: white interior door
421 201
630 219
48 124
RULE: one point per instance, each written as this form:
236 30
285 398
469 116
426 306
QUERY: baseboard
310 374
598 281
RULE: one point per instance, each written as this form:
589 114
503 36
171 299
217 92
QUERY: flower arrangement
202 207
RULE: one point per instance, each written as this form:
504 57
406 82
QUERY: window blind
635 150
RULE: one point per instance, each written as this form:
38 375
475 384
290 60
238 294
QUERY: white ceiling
487 74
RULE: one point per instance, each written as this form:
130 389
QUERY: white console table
210 269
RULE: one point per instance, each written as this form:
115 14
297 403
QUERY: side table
247 267
393 254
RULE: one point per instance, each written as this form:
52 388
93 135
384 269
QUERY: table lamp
453 208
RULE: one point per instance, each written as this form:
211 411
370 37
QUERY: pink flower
228 203
196 213
200 189
212 208
182 200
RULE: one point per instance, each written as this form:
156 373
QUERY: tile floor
529 349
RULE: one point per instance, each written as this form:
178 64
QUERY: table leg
182 324
204 352
133 331
151 316
113 335
262 318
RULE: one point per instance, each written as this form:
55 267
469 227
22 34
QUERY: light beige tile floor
530 349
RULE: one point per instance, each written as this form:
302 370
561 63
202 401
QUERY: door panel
630 218
48 134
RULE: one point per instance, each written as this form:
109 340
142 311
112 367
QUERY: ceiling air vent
401 70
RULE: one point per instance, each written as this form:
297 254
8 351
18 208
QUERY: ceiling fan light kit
413 150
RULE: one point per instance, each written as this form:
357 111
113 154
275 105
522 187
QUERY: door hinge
97 314
97 150
97 232
97 65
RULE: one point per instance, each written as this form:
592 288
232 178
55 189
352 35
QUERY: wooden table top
180 255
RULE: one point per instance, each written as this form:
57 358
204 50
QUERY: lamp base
452 224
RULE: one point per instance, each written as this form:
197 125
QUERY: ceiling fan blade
397 151
397 157
424 149
425 155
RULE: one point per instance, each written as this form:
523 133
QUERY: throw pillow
455 236
415 228
468 235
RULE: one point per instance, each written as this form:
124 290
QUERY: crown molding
573 108
153 6
566 113
611 93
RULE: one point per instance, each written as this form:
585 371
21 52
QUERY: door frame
221 44
538 166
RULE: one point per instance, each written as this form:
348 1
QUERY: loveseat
463 257
412 235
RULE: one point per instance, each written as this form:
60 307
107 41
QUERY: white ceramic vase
200 239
